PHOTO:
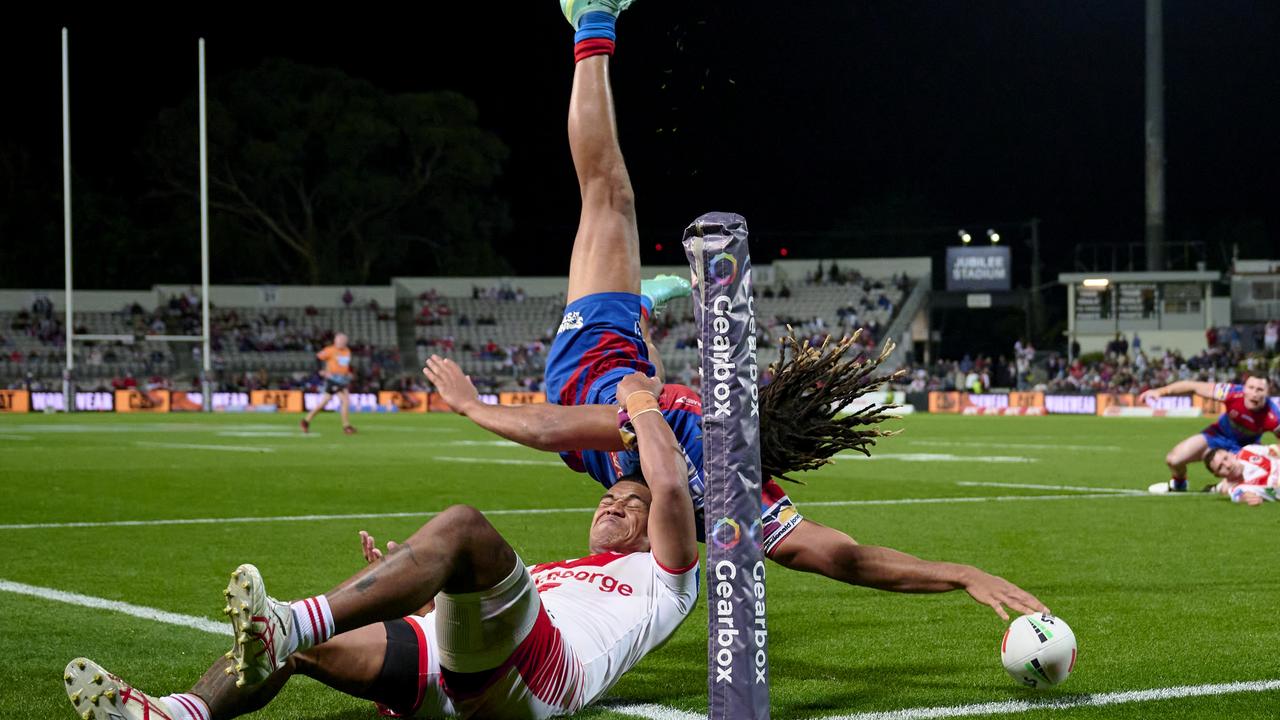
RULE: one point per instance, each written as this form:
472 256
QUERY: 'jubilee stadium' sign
978 268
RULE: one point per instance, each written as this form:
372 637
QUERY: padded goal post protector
737 646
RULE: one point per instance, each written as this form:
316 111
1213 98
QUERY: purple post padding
737 646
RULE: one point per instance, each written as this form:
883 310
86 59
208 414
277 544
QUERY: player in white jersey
502 642
1251 476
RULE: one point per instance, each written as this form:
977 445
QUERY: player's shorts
599 343
1219 440
335 384
778 516
491 654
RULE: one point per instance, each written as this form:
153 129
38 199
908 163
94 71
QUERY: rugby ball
1038 651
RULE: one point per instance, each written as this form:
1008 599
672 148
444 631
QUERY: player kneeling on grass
504 641
1248 414
1250 476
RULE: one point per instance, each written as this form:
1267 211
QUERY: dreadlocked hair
802 420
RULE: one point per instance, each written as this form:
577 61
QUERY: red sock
592 47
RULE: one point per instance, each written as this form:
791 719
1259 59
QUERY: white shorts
518 664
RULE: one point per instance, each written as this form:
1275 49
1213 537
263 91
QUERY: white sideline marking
197 446
483 443
1030 486
1074 701
138 611
938 457
653 712
532 511
1029 446
499 461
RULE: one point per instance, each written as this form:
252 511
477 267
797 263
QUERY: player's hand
637 382
453 385
370 548
996 592
1149 396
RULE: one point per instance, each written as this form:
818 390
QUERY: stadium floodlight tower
68 379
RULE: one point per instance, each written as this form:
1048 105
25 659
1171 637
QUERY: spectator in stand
348 298
1271 336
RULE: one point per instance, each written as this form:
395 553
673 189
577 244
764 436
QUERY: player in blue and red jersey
603 338
1248 413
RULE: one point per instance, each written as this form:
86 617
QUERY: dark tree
317 177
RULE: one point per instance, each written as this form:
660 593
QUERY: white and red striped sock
313 620
185 706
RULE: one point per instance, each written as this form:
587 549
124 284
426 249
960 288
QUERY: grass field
1162 592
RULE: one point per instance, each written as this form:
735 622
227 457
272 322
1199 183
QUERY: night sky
821 122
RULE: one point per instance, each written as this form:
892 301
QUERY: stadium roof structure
1122 277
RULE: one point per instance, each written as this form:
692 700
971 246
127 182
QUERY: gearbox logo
726 533
724 269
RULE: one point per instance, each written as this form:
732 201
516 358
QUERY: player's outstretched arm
1182 387
819 549
672 538
542 427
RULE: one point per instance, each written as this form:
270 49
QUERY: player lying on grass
1250 476
602 338
1249 413
503 640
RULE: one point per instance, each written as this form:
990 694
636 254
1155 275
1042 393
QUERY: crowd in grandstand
1125 366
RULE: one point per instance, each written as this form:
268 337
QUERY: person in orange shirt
337 381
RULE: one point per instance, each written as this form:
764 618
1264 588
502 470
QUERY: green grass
1161 591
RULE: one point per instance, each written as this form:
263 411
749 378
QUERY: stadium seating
501 339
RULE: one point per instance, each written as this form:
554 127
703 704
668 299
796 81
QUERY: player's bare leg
306 422
350 663
1184 453
458 551
344 406
606 250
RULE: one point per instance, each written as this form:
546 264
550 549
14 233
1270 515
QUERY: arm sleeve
1223 391
680 583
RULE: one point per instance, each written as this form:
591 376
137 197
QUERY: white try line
6 436
1030 486
1074 701
652 712
531 511
138 611
197 446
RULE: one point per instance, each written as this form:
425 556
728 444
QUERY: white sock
313 621
185 706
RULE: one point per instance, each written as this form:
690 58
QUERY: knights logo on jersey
571 321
